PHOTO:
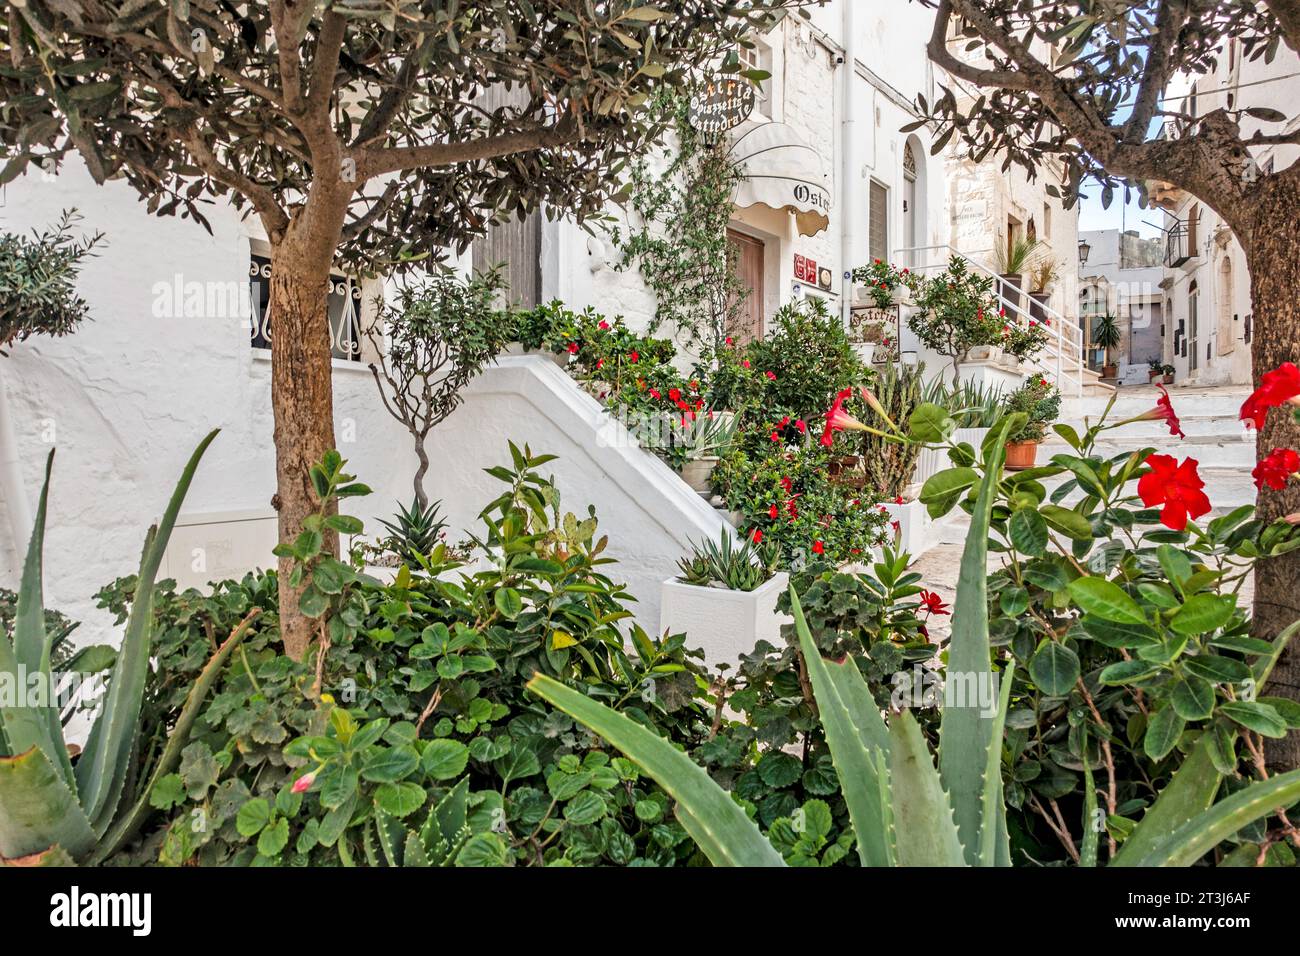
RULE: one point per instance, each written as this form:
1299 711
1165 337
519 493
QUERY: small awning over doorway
782 172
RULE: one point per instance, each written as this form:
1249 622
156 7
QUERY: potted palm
1039 400
1014 259
1105 335
724 597
1042 276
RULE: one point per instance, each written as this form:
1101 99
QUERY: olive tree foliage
38 273
431 340
1087 82
363 134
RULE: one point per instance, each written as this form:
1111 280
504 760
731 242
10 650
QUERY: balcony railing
1178 246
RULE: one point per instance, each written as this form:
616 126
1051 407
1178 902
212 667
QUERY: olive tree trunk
1273 261
302 400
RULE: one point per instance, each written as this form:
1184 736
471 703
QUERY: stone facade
1206 284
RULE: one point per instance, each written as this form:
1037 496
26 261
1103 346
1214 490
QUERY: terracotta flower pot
1169 378
1021 455
1110 371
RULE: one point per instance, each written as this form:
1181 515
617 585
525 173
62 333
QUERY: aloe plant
904 810
53 812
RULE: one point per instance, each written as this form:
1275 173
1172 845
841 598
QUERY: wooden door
749 269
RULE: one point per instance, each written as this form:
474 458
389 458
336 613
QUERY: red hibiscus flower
818 548
1275 388
773 512
603 326
573 348
634 356
771 376
756 536
801 425
787 484
931 603
776 436
730 340
675 394
656 394
1176 487
1276 469
837 419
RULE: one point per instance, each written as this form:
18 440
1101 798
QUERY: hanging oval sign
721 105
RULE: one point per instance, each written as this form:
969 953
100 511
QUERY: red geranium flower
1275 387
787 484
932 603
898 499
655 393
756 536
771 375
573 348
1276 469
818 548
776 436
675 394
801 425
1177 487
603 326
773 512
634 356
745 363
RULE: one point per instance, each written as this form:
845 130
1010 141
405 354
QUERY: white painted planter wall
934 460
914 526
724 624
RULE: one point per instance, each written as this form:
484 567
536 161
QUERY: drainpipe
11 479
849 176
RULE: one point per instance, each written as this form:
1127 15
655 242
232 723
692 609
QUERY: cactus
904 810
890 465
53 811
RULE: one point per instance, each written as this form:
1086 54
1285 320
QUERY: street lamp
1084 249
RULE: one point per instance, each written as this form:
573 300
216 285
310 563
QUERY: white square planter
934 460
914 525
724 624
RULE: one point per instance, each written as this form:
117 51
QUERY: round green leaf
252 816
1193 698
1054 668
584 809
1163 731
400 799
1107 600
444 759
390 764
1028 532
1255 716
508 602
1202 613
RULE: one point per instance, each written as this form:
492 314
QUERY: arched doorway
914 231
1225 333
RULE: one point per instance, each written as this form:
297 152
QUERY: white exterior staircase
1062 361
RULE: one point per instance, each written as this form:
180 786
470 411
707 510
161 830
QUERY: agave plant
54 811
746 566
906 811
414 530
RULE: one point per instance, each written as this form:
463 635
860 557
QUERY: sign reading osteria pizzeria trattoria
721 105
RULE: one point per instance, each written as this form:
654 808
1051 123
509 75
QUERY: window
759 57
343 311
878 222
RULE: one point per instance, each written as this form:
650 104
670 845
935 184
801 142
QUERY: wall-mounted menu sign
722 104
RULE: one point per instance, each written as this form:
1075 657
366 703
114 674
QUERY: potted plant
1038 399
1014 259
707 439
1105 335
1042 276
724 597
1169 374
1155 369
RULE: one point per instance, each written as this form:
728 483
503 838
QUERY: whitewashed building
1122 277
1206 284
170 354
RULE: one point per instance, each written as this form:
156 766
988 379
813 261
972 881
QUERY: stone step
1220 451
1134 400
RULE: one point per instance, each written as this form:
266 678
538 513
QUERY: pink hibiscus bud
303 783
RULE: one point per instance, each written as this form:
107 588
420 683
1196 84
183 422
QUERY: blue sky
1118 216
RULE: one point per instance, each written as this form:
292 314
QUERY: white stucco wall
129 395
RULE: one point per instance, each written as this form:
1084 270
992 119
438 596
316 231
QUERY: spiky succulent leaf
924 829
964 732
38 810
716 822
1187 795
101 771
856 734
1191 841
